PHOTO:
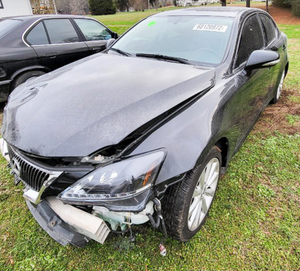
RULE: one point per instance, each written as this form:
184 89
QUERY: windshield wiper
163 57
120 51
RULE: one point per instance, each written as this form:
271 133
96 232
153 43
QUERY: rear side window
269 28
251 40
93 30
38 36
61 31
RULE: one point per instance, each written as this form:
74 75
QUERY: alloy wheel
203 194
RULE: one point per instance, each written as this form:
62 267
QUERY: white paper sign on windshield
211 27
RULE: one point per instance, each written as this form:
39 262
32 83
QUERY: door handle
51 55
96 48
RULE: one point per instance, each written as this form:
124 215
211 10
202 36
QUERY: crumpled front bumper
4 149
67 224
63 222
4 90
55 226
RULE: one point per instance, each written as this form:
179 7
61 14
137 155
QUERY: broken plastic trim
83 222
157 222
60 231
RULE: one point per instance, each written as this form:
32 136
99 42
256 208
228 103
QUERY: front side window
251 40
38 36
199 39
61 31
269 28
92 30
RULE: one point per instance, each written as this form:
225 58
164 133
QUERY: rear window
37 35
269 28
7 25
61 31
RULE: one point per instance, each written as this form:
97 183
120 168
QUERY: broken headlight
117 183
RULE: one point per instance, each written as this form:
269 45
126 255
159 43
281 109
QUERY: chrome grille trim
35 178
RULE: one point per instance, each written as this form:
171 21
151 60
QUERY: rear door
275 42
95 34
57 42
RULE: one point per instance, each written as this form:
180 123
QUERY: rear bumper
4 90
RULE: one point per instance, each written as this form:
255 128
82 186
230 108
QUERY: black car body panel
134 93
19 56
119 108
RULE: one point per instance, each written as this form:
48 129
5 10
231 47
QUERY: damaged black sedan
143 131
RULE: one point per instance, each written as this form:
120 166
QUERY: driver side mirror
114 35
262 59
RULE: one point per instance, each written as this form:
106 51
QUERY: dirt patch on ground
280 15
283 16
284 116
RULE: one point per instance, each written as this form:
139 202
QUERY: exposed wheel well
286 68
223 145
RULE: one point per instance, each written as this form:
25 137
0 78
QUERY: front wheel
26 76
187 204
279 89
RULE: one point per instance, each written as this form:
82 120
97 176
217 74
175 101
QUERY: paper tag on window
211 27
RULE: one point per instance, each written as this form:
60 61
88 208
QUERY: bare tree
138 5
72 6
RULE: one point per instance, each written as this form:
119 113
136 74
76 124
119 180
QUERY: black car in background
143 131
33 45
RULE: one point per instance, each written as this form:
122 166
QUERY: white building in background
15 8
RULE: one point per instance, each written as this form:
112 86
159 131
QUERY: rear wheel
187 203
25 76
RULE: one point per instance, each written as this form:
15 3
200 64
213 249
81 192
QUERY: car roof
48 16
209 11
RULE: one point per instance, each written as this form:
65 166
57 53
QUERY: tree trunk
223 3
267 5
248 3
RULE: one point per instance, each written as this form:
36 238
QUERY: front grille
29 173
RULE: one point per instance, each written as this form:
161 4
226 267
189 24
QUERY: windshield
197 39
7 25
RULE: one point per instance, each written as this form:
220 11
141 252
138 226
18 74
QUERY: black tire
25 76
278 89
178 199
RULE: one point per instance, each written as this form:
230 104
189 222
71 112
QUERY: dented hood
96 102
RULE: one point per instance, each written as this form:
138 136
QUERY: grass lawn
254 223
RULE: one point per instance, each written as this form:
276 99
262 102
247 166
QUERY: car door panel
64 44
246 103
275 42
252 88
57 55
